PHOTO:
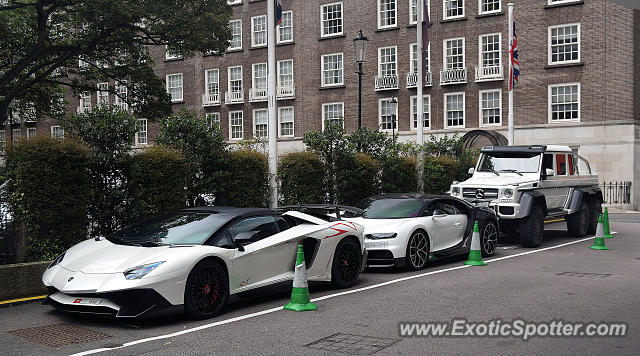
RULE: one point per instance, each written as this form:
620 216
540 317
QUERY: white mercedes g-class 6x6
525 184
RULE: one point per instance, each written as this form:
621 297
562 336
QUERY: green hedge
156 180
358 177
49 195
399 174
301 177
248 183
439 173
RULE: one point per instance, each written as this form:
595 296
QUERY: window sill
564 65
258 47
342 86
500 13
330 37
386 29
234 50
411 25
173 59
464 18
280 44
177 102
553 6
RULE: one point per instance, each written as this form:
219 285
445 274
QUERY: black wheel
206 290
595 209
578 222
347 262
417 254
532 228
489 238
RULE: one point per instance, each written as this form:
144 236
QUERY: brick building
579 82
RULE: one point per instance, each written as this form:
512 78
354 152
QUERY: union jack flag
278 12
515 63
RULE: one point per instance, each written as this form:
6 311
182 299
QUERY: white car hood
379 225
504 179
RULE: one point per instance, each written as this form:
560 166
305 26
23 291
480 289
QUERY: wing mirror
549 172
244 237
471 171
439 214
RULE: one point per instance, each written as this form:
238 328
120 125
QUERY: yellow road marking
22 299
554 220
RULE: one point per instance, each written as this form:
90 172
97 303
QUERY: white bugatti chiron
195 258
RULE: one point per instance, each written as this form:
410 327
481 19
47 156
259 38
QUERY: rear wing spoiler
330 207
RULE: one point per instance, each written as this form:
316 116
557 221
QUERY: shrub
156 180
439 173
301 176
399 174
248 183
50 190
358 177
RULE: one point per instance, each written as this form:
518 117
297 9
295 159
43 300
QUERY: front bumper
385 252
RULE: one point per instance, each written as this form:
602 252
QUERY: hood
504 179
92 256
379 225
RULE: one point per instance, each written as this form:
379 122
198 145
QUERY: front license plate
377 244
482 204
85 301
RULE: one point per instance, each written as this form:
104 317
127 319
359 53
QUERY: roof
525 149
409 196
231 211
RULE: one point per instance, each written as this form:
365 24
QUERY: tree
48 45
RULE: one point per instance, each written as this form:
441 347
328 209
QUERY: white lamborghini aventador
195 258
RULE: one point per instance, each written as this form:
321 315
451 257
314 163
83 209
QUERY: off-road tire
532 228
595 209
578 222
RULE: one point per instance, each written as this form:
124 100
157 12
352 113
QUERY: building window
85 103
236 34
235 79
212 81
454 53
285 73
213 118
285 116
285 29
333 112
413 50
235 125
490 50
489 6
387 116
260 123
331 19
259 31
564 102
234 2
3 139
564 44
454 110
171 54
120 99
16 135
174 86
490 107
57 132
31 132
83 64
387 61
332 73
413 11
141 135
387 10
102 95
259 77
453 9
426 112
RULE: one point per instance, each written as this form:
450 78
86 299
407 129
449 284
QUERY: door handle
457 224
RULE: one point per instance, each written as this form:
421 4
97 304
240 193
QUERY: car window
441 205
282 223
460 208
265 226
547 162
570 164
561 164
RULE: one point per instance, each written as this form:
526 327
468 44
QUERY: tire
417 254
206 291
489 238
347 262
532 228
578 222
595 209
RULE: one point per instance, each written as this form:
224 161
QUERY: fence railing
617 193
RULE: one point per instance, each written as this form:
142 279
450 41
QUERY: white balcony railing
210 99
386 82
83 110
234 97
453 76
257 94
412 80
286 92
489 73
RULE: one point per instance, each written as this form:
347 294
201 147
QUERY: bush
399 174
358 178
156 180
439 173
50 190
301 177
248 183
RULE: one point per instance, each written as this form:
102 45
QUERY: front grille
472 193
132 303
379 258
506 210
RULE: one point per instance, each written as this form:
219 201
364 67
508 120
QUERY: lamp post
393 104
360 45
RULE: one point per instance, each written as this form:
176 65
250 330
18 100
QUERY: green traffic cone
598 244
605 223
475 254
300 294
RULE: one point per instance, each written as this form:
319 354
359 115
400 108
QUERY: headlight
455 191
507 193
378 236
57 260
141 271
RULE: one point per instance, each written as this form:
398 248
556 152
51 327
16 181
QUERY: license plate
482 204
377 244
85 301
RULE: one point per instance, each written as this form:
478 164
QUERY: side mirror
549 172
471 170
439 214
245 236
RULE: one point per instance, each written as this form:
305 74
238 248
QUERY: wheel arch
528 200
215 259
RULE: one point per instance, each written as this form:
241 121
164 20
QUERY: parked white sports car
406 229
195 258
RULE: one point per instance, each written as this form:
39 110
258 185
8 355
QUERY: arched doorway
480 138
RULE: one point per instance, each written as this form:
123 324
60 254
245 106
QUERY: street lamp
393 104
360 45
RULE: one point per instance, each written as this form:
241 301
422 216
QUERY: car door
564 171
548 183
267 257
443 224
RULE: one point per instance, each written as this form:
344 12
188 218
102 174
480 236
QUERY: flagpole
271 113
510 136
419 90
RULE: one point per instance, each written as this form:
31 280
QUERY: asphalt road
563 279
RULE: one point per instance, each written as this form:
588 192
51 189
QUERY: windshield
390 208
520 163
183 227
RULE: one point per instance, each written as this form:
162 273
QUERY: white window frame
31 132
176 100
279 65
85 102
255 124
395 62
324 112
412 53
341 69
207 74
412 10
234 2
3 139
235 34
322 27
549 52
394 119
464 107
282 26
253 75
444 11
170 56
480 61
480 108
293 121
102 94
395 17
231 113
117 101
550 104
241 79
413 124
144 128
16 135
480 12
557 2
213 117
253 31
444 52
57 132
